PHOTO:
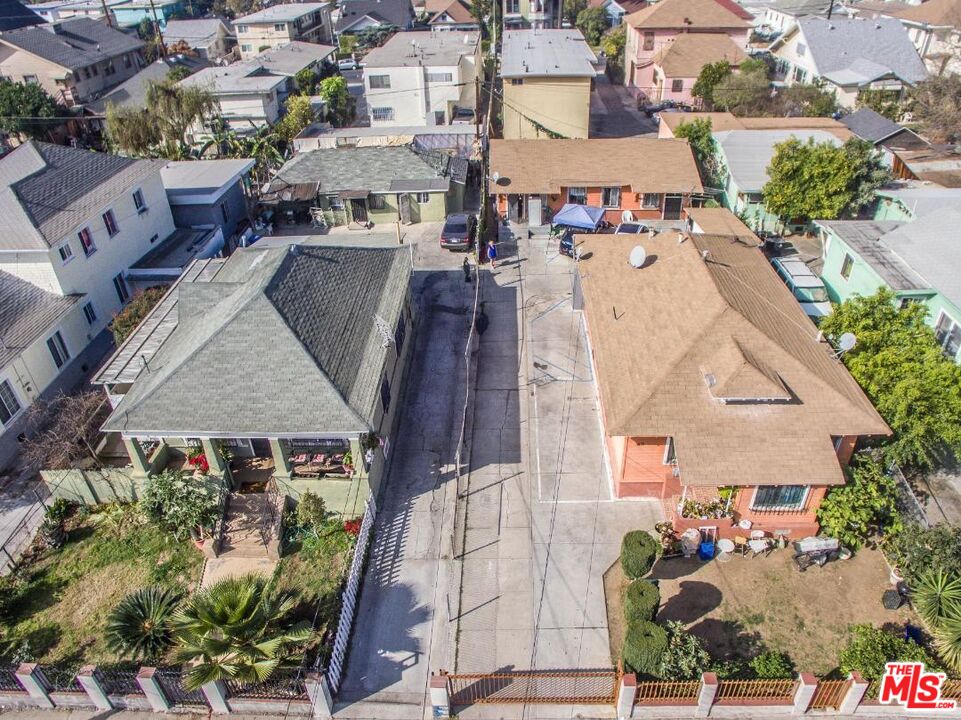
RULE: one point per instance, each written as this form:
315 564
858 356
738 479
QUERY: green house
743 158
911 248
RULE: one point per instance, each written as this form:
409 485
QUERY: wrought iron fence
172 682
62 679
667 692
120 682
282 686
775 691
8 679
19 539
578 687
335 667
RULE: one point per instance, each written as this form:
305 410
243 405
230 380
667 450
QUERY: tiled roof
133 92
685 14
690 52
456 10
707 319
302 322
74 43
645 164
51 189
26 313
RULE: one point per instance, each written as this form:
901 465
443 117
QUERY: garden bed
61 603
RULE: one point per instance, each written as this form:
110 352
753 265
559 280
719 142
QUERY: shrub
868 648
127 320
641 601
644 646
139 627
638 552
685 657
184 504
917 549
311 511
866 506
772 665
59 510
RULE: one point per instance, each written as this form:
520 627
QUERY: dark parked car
630 228
458 232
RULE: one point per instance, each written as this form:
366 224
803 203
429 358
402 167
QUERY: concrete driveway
614 112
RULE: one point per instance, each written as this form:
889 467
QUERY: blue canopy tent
583 217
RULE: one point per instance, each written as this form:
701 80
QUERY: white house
76 222
849 55
248 99
210 38
422 78
935 29
281 24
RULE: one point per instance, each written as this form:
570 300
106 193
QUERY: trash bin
706 550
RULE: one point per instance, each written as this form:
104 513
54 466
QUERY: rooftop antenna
846 343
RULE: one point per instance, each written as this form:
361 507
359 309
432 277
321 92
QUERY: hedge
644 646
638 552
641 601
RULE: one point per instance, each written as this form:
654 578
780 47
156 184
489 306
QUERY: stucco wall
562 105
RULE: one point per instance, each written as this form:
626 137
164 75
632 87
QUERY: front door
358 210
534 209
672 207
404 204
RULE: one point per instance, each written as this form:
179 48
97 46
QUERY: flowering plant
352 527
199 462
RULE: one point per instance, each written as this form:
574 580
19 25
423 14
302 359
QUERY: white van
806 287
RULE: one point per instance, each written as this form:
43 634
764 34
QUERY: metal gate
572 687
829 694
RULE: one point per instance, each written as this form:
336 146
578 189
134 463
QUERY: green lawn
65 595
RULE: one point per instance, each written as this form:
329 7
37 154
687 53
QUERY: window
280 27
799 75
58 349
138 201
154 238
440 77
422 197
89 313
108 68
379 82
517 81
801 49
677 85
439 117
611 197
846 266
94 70
377 202
512 7
242 29
66 254
225 212
648 41
670 456
86 73
110 222
120 285
9 405
86 242
126 61
400 335
382 113
577 195
385 394
948 333
651 200
779 497
246 48
755 198
905 301
30 79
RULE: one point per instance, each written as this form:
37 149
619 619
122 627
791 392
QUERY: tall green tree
236 629
334 92
883 102
711 74
593 23
870 173
25 109
699 136
808 180
571 9
864 507
804 101
613 44
899 364
743 94
299 115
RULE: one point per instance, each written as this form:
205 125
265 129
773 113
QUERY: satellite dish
847 342
638 257
496 176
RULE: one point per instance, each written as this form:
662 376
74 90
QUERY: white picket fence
339 654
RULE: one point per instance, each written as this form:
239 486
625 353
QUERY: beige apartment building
281 24
547 84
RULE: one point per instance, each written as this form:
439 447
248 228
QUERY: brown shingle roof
692 51
719 221
545 166
685 331
457 10
933 12
721 121
679 14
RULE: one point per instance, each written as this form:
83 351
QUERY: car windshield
630 228
814 294
455 227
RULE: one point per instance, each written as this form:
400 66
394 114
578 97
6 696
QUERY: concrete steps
242 527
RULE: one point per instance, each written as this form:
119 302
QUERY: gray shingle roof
52 188
930 247
74 43
26 313
283 341
198 32
133 91
15 15
399 13
924 200
866 238
375 169
855 51
869 125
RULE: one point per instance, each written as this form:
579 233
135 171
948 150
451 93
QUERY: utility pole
106 13
477 104
157 31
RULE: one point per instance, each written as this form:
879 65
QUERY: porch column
214 459
141 468
281 462
357 453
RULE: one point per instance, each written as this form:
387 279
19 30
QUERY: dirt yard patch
738 605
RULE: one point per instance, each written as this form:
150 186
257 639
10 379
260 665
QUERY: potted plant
349 463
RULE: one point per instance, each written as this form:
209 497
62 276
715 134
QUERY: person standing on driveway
492 253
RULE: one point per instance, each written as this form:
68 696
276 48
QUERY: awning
353 194
584 217
278 191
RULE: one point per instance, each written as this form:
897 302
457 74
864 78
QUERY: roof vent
705 254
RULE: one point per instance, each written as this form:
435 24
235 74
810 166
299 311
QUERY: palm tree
936 596
236 629
139 627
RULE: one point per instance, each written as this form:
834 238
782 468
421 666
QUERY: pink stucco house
652 30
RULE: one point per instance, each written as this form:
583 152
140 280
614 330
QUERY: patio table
758 546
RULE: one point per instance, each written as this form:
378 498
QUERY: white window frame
604 191
21 406
660 201
954 323
844 261
120 283
280 27
139 202
668 451
570 195
58 348
65 252
93 243
109 213
90 312
422 197
387 114
440 77
383 80
780 508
